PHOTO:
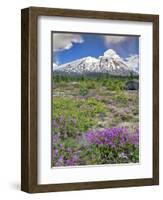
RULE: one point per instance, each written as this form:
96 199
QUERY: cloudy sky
68 47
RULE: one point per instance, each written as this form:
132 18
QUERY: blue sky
68 46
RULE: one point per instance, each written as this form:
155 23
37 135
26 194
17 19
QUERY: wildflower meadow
95 121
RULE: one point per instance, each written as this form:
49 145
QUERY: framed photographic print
90 99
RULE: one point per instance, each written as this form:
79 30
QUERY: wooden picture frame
29 112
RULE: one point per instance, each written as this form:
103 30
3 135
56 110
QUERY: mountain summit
110 53
110 63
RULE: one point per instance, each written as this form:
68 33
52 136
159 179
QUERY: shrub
83 91
91 85
121 98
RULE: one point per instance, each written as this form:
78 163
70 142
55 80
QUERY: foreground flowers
108 146
113 137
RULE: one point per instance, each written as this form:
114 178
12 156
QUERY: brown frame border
29 99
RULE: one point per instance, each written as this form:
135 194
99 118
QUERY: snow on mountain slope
110 63
133 62
55 66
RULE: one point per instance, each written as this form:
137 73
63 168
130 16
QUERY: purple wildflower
113 136
60 161
69 150
61 146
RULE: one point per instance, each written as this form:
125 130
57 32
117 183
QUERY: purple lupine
55 153
74 158
134 138
112 136
61 146
69 162
60 161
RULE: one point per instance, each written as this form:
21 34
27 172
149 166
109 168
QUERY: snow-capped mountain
110 63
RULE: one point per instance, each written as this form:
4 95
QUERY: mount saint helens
110 63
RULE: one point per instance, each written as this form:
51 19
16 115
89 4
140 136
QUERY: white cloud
63 41
109 39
